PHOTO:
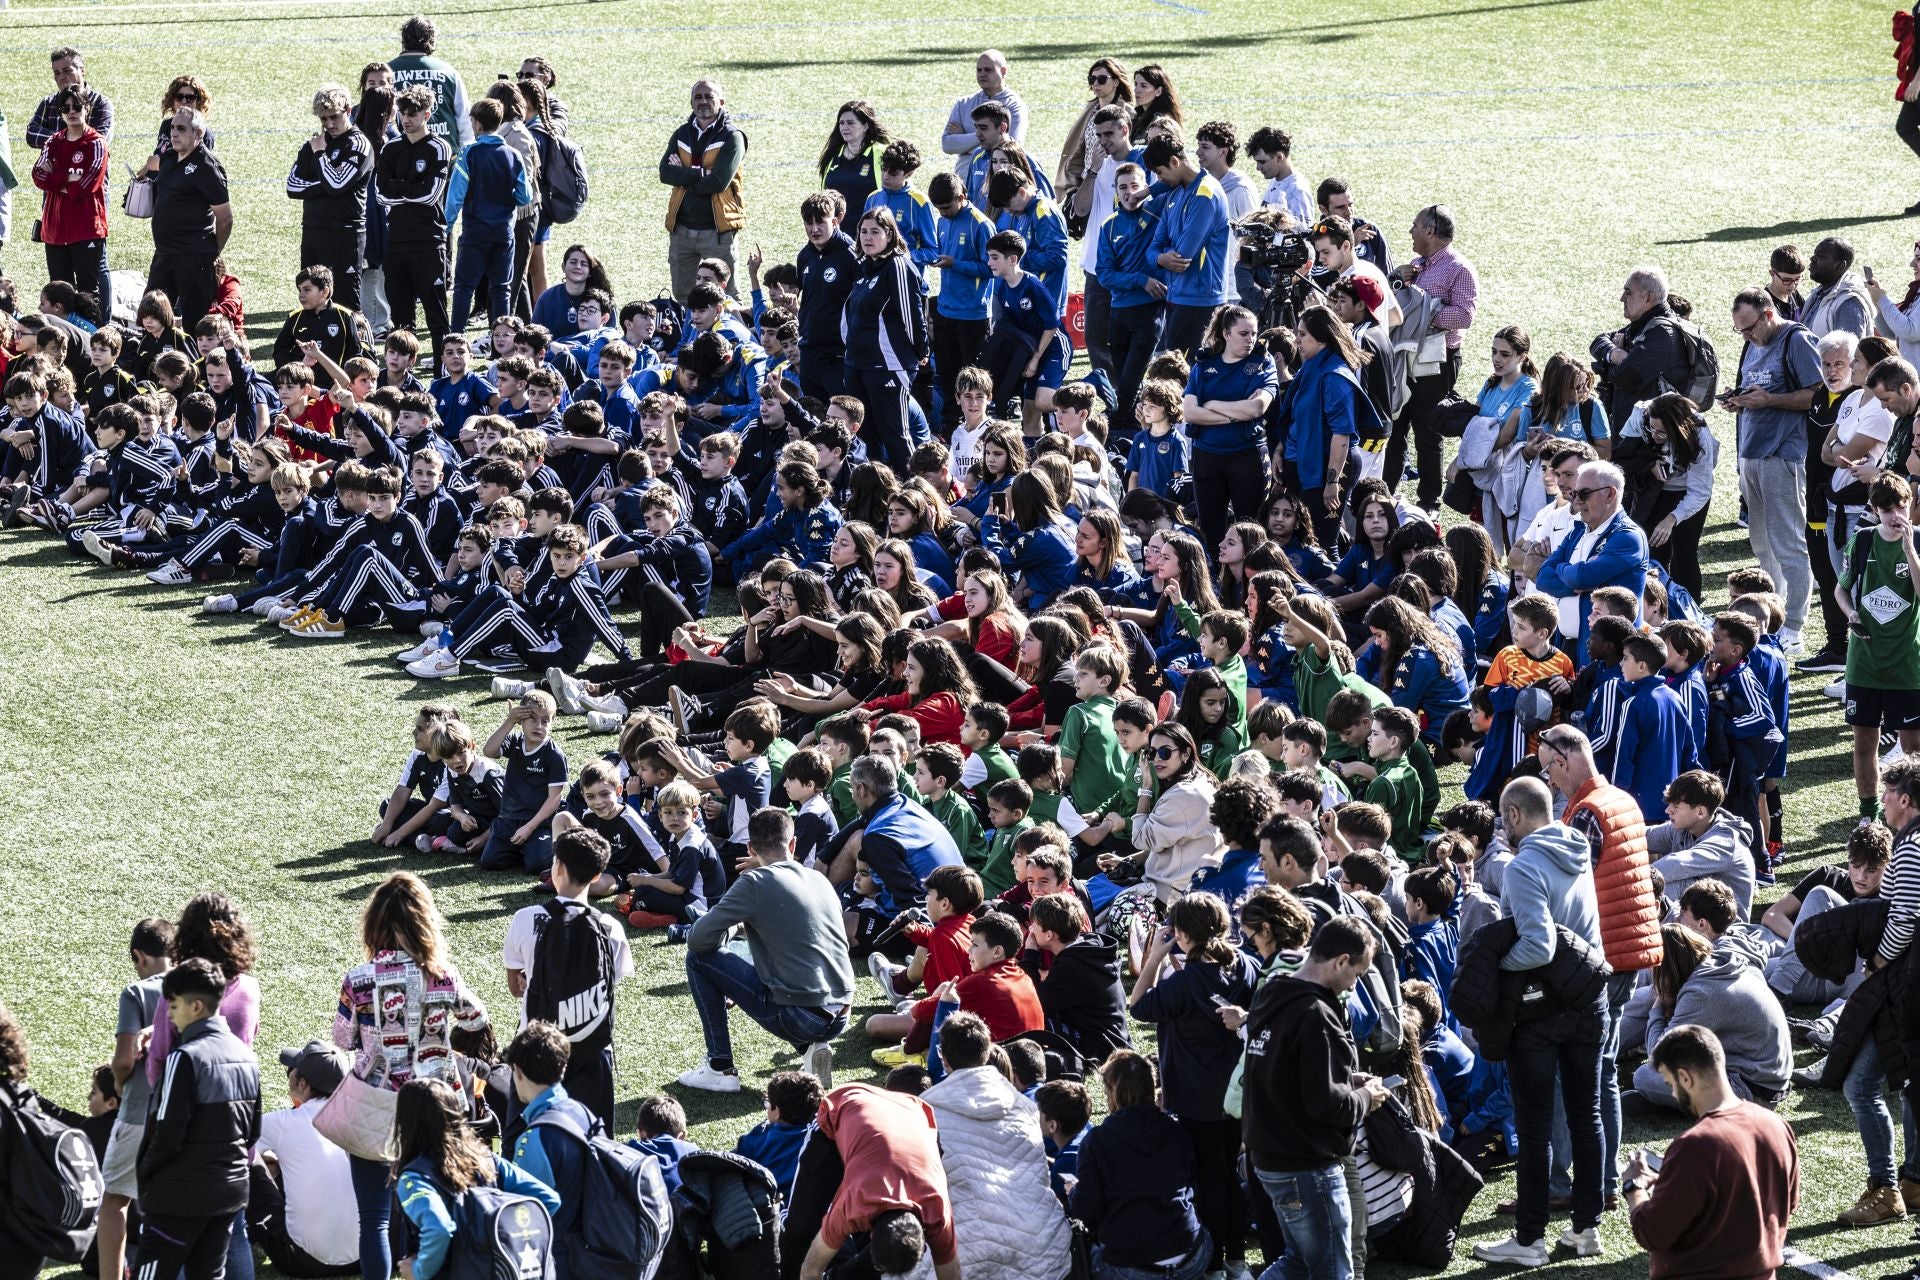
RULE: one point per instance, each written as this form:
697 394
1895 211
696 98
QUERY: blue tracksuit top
915 218
1602 723
457 399
1045 231
1193 224
489 182
904 829
1420 684
1124 259
554 1158
1432 950
1321 402
1217 378
1270 667
804 536
1044 557
1769 662
1691 686
964 285
1446 614
1619 559
1655 741
1490 616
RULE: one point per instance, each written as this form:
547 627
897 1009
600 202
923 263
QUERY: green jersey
1316 680
954 813
1396 788
778 752
1885 653
996 869
1099 764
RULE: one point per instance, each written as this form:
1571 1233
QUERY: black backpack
669 322
572 981
625 1219
53 1182
563 175
1703 364
499 1235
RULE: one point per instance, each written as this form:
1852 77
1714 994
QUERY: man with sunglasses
1645 356
1605 549
192 218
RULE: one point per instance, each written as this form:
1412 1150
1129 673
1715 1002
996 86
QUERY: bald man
707 206
990 73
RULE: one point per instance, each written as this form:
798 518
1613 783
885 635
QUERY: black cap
321 1065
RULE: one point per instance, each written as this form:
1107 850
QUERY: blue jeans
1559 1181
1316 1218
374 1198
1865 1089
479 257
718 976
1192 1267
1568 1045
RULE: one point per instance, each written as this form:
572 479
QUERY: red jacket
1004 997
74 176
226 302
1616 832
939 716
946 944
1904 63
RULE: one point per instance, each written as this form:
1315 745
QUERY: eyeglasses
1584 494
1099 77
1165 753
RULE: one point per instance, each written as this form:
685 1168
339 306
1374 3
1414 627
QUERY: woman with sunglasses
1080 158
72 170
185 91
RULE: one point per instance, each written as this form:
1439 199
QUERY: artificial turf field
149 754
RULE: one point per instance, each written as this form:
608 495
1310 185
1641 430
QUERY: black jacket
1830 945
413 187
1491 1001
1081 995
1444 1185
1136 1187
1298 1107
1656 362
193 1154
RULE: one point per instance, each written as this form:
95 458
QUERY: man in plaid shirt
1447 276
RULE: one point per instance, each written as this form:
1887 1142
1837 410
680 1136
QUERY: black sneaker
1827 659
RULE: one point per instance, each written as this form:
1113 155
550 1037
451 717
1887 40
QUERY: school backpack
1703 364
563 175
625 1217
497 1234
669 322
53 1183
571 984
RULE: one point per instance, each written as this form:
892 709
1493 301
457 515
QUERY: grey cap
321 1065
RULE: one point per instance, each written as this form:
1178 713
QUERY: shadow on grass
1800 227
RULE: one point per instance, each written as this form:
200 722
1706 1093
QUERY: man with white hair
1779 374
990 72
1605 549
1645 357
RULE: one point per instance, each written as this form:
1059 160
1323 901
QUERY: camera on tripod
1266 242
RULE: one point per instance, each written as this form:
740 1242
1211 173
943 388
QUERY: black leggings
79 264
660 612
994 682
1680 553
1907 125
1223 481
1218 1198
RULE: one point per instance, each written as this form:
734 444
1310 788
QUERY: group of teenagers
1067 705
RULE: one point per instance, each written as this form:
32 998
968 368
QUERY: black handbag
1451 415
1462 494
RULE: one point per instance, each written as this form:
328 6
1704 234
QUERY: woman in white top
1107 83
1856 443
1900 320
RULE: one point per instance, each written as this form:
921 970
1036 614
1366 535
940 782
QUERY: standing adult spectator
515 112
397 1012
708 205
1451 280
1680 454
416 64
884 327
374 117
1840 298
300 1204
413 173
871 1167
1548 887
1190 243
990 72
72 170
1779 373
1100 196
1901 320
1630 910
1319 409
185 91
490 185
69 72
192 218
1271 150
1082 154
1605 549
850 157
1718 1207
537 68
1645 357
1304 1099
1154 99
798 983
21 1263
1233 383
1896 385
329 178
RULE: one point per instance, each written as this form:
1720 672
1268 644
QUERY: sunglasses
1099 77
1165 753
1584 494
186 95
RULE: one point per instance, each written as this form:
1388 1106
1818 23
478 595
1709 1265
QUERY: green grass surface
150 754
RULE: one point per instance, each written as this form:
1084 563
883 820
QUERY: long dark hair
1522 343
1178 734
1057 644
1329 330
1196 584
1166 104
430 1123
1405 627
597 277
911 593
1265 589
1473 555
941 671
373 116
877 134
1233 582
1302 519
1200 683
1564 384
810 595
1122 79
1204 919
1032 501
865 633
868 489
1683 424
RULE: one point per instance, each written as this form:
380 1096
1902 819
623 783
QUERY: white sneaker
1791 642
419 651
1585 1244
605 703
423 842
170 574
567 692
819 1060
220 604
435 665
706 1077
883 970
604 721
279 613
97 549
1894 755
1515 1251
263 606
512 690
432 629
1837 689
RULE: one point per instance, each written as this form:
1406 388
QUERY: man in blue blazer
1606 549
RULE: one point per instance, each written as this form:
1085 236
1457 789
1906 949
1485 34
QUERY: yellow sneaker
891 1058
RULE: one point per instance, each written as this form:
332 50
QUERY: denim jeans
1192 1267
479 257
374 1197
1316 1218
1865 1089
1559 1182
1570 1046
718 976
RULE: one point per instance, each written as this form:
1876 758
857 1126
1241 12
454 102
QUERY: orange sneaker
651 920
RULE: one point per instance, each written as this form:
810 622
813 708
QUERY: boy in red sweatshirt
998 989
940 955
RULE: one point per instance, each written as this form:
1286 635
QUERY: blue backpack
497 1235
625 1218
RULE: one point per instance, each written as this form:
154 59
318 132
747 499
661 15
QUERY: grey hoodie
1548 883
1720 853
1728 994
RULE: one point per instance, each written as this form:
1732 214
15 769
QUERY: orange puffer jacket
1629 911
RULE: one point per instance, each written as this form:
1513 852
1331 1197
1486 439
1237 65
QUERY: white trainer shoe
1585 1244
435 665
170 574
567 692
419 651
706 1077
511 690
819 1060
97 549
220 604
605 703
1514 1250
604 721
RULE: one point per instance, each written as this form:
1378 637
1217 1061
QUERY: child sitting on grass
531 792
402 815
940 953
693 877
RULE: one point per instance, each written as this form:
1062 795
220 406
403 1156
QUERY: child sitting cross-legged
693 877
994 988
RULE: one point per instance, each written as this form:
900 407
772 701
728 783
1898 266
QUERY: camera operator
1333 249
1645 357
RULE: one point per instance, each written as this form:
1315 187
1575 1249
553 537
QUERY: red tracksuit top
74 176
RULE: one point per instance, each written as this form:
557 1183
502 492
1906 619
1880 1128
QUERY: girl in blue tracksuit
884 327
440 1158
803 531
1100 547
1416 662
1290 527
1003 455
1233 382
1483 590
1322 419
1031 537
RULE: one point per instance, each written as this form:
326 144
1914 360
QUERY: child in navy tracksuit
489 183
58 449
1742 736
532 790
555 623
137 483
1769 661
376 570
1684 673
692 876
